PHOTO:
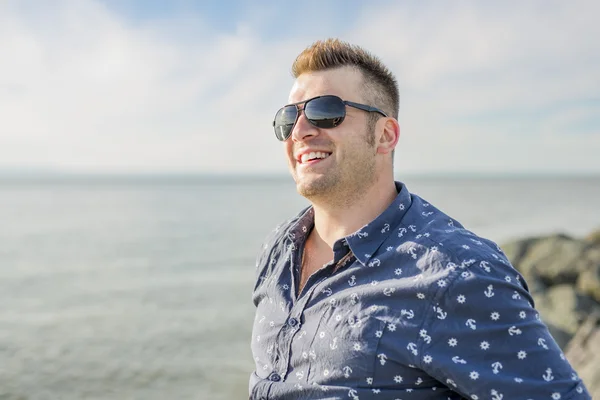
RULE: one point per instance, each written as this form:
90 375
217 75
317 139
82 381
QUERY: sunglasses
324 112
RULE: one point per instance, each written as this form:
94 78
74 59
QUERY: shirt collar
367 240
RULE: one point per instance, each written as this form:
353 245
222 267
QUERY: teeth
312 155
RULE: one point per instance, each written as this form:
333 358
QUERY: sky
148 86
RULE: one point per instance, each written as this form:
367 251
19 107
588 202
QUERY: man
372 292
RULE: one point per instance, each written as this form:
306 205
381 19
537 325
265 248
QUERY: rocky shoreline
563 275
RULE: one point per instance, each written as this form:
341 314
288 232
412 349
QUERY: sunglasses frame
299 110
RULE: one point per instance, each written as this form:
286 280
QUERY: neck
335 220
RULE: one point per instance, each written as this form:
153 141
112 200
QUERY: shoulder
444 248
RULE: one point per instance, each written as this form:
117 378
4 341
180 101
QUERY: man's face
350 165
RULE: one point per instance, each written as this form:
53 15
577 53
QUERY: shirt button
292 322
274 377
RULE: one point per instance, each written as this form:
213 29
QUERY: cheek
288 149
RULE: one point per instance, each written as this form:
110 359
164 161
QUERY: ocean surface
140 288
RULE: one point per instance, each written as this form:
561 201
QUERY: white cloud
82 87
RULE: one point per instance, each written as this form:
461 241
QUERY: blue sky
190 86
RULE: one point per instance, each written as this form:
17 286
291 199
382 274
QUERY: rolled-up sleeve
485 340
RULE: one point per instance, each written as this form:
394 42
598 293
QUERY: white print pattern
458 360
413 348
496 367
548 375
471 323
392 316
522 315
513 330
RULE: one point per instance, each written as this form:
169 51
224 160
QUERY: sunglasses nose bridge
303 127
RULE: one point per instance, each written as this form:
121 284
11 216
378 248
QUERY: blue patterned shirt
413 306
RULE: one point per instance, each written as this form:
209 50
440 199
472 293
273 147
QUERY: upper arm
487 341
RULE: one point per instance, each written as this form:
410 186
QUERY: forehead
343 82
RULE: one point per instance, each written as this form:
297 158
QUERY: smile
313 157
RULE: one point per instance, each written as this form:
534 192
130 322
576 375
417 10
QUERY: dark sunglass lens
284 122
325 112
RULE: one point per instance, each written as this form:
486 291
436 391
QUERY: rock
563 276
554 260
563 309
516 250
588 281
594 238
583 352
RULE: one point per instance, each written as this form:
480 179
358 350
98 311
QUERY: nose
303 128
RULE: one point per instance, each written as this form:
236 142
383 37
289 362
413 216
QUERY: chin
312 187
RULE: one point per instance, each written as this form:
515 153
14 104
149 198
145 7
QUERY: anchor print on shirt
353 394
485 266
375 263
496 367
441 314
334 344
458 360
412 251
412 347
548 375
513 330
347 371
425 336
471 323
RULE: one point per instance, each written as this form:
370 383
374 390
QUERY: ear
390 133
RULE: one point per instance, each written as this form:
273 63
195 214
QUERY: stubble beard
342 185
